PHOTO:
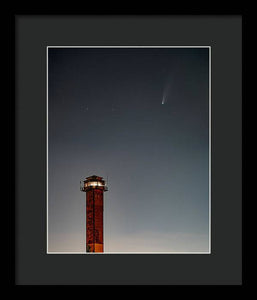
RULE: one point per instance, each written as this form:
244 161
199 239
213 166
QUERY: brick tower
94 186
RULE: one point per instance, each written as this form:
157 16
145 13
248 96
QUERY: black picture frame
223 33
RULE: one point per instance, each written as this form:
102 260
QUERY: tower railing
83 187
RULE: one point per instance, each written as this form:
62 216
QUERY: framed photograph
141 117
128 150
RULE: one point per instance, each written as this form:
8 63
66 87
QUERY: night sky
141 117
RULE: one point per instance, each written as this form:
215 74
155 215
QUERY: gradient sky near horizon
141 117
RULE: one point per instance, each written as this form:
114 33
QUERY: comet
164 96
165 92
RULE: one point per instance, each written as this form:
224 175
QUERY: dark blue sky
106 117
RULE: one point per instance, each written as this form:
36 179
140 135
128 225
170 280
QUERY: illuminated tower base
94 186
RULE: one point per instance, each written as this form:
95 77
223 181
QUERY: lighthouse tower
94 186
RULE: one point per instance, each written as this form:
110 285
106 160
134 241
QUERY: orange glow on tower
94 186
